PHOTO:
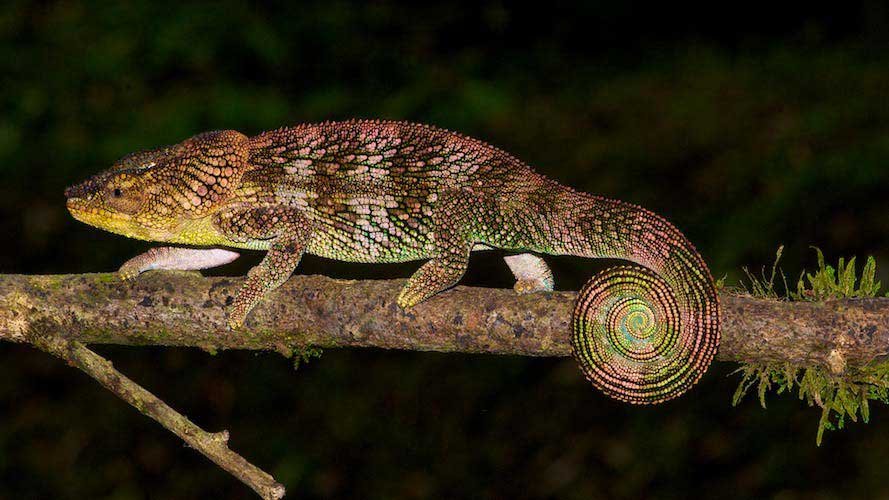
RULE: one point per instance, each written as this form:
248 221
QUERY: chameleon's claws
128 272
527 286
406 301
234 321
236 314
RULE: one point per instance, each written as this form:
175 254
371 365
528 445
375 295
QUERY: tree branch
184 309
61 313
212 445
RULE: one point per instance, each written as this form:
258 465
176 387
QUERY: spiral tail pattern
638 342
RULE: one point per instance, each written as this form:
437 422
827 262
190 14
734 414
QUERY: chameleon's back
372 187
384 157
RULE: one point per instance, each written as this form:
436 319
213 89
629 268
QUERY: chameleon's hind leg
440 273
287 232
175 258
531 273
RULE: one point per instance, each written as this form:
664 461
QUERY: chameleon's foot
531 273
407 300
278 264
432 277
257 285
234 318
526 286
411 296
129 271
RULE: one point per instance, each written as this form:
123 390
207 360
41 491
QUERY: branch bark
185 309
60 314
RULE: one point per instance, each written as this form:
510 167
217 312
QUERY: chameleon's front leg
287 232
175 258
278 264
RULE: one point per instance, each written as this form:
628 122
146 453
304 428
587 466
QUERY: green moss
840 397
764 287
304 355
842 282
108 278
52 282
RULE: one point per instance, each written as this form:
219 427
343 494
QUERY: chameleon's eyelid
138 169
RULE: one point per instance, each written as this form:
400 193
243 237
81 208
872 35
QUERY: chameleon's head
163 194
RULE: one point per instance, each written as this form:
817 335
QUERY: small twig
212 445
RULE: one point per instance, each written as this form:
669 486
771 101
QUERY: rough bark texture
185 309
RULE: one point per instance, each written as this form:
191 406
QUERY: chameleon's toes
409 297
531 286
128 273
236 313
234 319
406 301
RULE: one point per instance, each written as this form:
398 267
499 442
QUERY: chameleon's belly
370 231
332 247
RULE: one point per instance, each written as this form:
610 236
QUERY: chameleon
377 191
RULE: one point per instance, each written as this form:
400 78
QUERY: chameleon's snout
74 197
80 199
73 204
81 190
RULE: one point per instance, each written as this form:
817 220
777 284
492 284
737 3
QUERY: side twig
212 445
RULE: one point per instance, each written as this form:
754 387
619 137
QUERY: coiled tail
641 333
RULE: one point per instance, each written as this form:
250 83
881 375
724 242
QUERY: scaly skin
376 191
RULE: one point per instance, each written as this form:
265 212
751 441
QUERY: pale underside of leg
531 273
174 258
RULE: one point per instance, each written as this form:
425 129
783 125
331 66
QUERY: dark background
748 124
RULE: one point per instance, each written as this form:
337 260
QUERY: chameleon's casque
377 191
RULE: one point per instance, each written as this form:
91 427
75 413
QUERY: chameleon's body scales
376 191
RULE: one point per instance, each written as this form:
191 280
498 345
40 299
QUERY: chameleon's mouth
91 212
80 210
80 200
86 211
76 206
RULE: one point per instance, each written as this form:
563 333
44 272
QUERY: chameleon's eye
126 199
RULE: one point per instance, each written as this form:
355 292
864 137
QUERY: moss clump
840 396
304 355
108 278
